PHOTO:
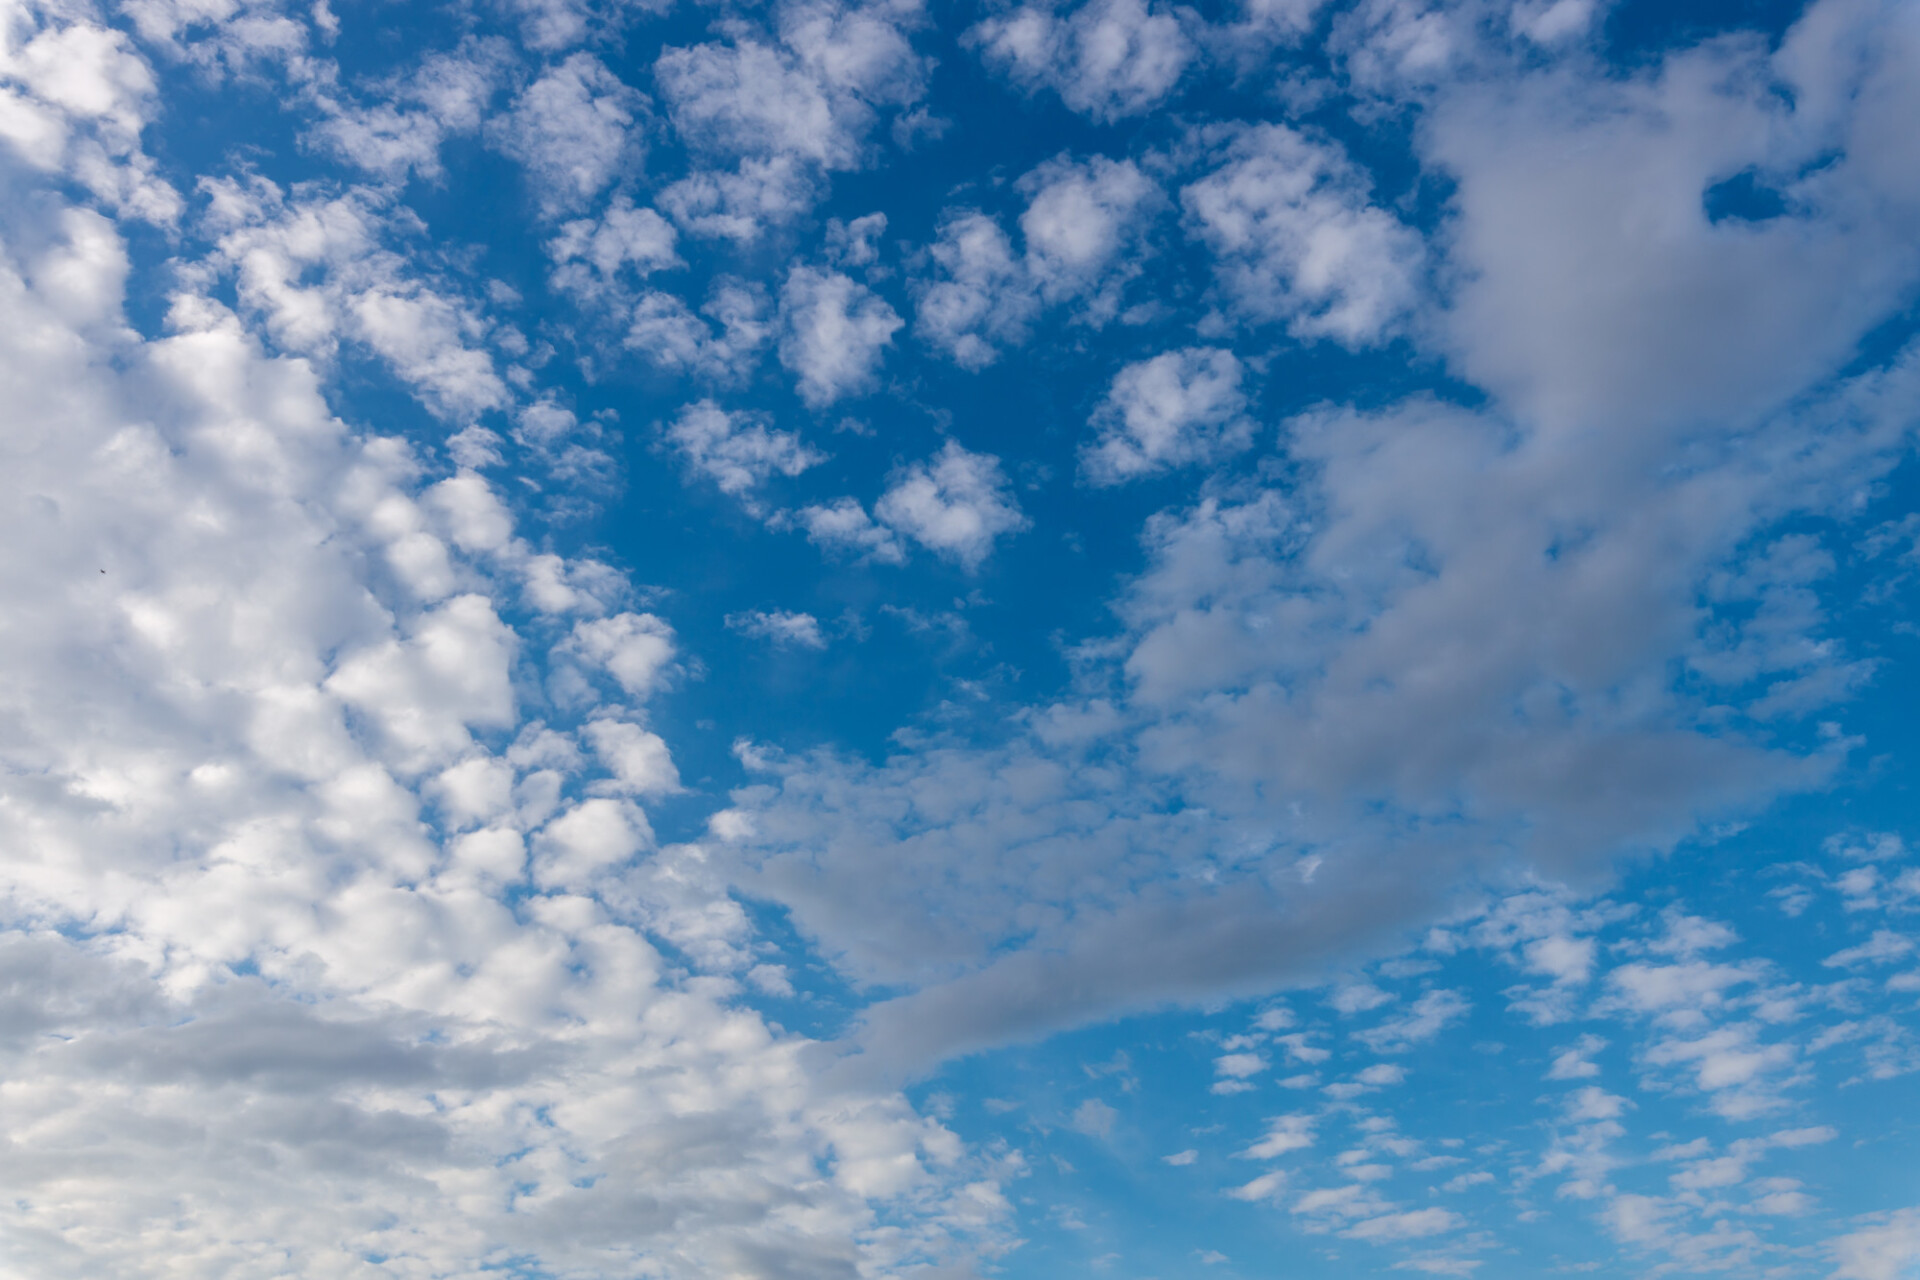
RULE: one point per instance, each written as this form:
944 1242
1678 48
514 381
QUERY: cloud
723 347
266 905
1296 239
589 253
780 627
833 334
575 130
738 451
1094 1118
1179 408
319 271
1107 59
411 116
981 300
956 504
1084 220
1883 1248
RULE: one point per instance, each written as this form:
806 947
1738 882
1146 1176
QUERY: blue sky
820 640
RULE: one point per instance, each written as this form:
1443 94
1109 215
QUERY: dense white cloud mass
1327 523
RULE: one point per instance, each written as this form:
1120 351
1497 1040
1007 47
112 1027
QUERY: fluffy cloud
833 334
1296 239
982 298
738 451
575 131
1107 59
1081 218
1178 408
320 270
666 333
956 504
1083 232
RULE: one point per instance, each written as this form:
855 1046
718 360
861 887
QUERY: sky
809 640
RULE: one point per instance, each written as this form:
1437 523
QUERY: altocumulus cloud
793 644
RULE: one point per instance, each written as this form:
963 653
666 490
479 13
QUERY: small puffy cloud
574 130
955 505
721 344
1107 59
637 758
855 243
1574 1062
1284 1133
590 253
739 451
843 526
1565 959
1296 239
800 630
634 648
1084 221
1180 1159
1884 947
742 204
1177 408
981 298
1239 1066
833 331
403 129
1265 1187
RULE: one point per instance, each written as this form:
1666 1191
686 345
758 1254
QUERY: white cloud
1423 1021
956 505
589 253
1411 1225
1084 229
1883 947
743 204
403 130
844 526
779 114
1265 1187
365 292
1179 408
254 932
637 758
1284 1133
833 334
575 130
634 648
666 333
1238 1066
1107 59
982 299
1882 1248
779 626
1296 239
737 450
